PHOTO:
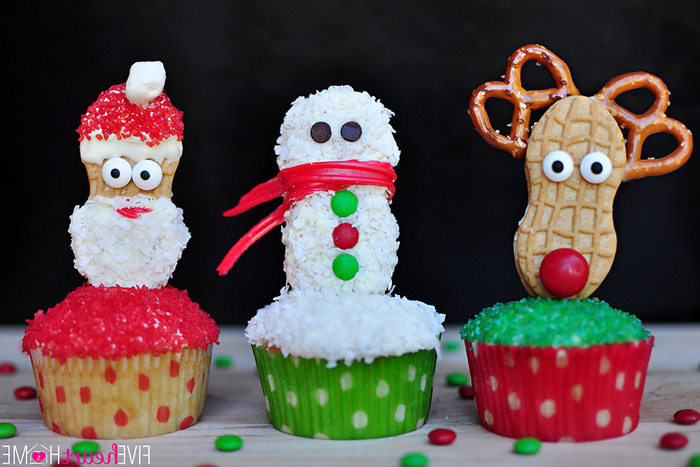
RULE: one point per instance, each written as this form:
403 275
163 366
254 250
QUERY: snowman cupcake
338 356
125 355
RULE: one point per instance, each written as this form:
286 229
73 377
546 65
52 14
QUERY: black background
235 66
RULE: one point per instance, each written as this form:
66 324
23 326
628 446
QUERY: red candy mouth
133 212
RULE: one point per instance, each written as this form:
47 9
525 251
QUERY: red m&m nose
564 272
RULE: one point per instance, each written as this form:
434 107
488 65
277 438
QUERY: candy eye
351 131
596 167
147 174
557 166
320 132
116 172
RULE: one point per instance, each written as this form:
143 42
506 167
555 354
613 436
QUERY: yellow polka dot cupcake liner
559 394
387 397
135 397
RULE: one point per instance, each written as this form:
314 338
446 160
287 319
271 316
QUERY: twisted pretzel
640 127
523 101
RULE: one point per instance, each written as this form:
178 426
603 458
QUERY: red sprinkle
673 441
466 391
25 392
442 436
687 416
6 368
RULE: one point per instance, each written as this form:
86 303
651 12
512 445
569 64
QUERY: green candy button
527 446
228 443
414 459
457 379
7 430
344 203
345 266
86 446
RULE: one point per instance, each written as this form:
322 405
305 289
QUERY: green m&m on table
86 446
228 443
527 445
414 459
7 430
457 379
344 203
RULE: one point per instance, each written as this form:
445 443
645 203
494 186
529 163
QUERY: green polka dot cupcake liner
387 397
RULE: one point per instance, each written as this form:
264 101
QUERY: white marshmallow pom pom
145 83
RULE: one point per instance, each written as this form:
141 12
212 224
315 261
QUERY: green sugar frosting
543 322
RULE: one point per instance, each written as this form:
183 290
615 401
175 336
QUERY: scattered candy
345 266
344 203
457 379
25 392
223 361
228 443
673 441
453 345
7 430
527 446
466 391
7 368
414 459
686 416
86 446
694 461
442 436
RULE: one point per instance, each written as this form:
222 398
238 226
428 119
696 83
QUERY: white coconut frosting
346 327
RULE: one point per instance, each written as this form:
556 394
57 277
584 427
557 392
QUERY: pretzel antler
640 127
523 101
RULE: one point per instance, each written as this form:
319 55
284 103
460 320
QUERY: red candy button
442 436
673 441
686 416
564 272
25 392
345 236
466 391
7 368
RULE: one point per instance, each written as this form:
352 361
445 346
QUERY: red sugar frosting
115 322
113 114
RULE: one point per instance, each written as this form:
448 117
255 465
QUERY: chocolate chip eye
320 132
351 131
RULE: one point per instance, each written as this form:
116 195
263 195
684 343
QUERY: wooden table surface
235 406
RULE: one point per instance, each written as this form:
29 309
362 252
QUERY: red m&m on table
25 392
686 416
7 368
673 441
442 436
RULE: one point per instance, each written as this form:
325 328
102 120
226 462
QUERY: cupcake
125 355
561 366
338 356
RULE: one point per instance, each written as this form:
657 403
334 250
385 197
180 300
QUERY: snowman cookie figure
336 154
129 232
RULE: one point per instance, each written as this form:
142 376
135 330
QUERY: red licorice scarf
294 184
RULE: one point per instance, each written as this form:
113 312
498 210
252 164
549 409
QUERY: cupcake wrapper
135 397
387 397
559 394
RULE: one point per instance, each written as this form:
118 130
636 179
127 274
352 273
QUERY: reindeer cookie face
575 160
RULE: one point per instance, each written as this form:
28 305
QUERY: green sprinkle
544 322
223 361
694 461
228 443
344 203
7 430
457 379
453 345
86 446
345 266
414 459
527 446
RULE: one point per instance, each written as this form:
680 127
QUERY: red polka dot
163 414
144 382
41 380
120 418
190 385
84 394
110 375
88 433
60 394
174 369
41 406
55 428
186 422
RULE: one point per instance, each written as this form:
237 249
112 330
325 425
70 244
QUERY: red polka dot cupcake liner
135 397
559 394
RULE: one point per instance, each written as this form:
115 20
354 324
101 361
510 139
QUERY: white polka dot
291 398
475 349
508 360
321 396
411 372
567 439
577 392
285 429
493 382
267 404
604 365
271 382
534 364
400 414
602 418
382 388
295 360
346 381
488 417
562 359
423 381
637 379
620 380
626 425
513 401
548 408
320 436
420 423
359 419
